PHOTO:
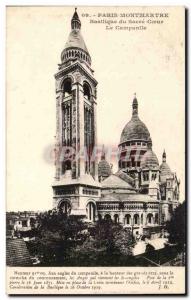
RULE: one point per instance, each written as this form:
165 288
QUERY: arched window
154 176
150 219
128 219
116 219
107 217
67 87
99 217
91 209
136 219
65 207
66 165
146 176
86 89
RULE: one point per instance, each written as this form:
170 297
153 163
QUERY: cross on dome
135 105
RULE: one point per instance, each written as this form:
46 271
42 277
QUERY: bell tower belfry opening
76 132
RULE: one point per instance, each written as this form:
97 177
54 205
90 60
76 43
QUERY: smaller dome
75 40
104 169
149 159
135 129
165 171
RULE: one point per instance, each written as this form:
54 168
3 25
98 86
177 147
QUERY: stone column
74 130
95 140
80 99
58 148
140 224
150 174
121 218
144 218
80 165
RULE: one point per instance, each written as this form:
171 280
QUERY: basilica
143 193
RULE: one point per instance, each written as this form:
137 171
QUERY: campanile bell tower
76 165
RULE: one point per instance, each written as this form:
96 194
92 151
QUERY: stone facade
76 187
142 194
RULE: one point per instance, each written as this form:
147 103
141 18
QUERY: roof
139 248
75 40
104 168
75 47
85 179
149 160
75 15
17 253
125 177
165 171
135 129
127 195
116 182
158 243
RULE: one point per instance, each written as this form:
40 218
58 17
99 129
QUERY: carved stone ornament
78 77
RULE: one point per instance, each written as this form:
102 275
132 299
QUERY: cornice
73 67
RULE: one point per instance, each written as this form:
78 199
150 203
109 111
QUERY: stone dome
104 168
165 171
75 40
135 129
149 159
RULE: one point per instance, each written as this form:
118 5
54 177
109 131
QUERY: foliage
69 240
56 235
107 244
123 241
176 227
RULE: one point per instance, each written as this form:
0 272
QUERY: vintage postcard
95 150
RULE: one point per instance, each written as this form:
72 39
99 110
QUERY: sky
150 63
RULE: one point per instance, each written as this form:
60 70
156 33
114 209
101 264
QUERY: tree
176 227
70 241
123 241
56 235
97 248
107 245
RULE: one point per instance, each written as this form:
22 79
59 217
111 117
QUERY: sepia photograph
96 145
